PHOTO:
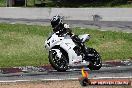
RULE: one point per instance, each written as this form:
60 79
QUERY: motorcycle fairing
68 46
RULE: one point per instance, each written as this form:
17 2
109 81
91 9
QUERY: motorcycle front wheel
59 64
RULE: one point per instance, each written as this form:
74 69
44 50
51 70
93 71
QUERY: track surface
107 71
104 72
101 25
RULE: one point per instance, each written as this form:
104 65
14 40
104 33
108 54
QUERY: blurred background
66 3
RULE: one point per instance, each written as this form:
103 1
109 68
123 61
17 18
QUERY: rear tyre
59 64
95 59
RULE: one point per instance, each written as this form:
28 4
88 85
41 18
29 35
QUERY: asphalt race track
121 69
101 25
110 70
103 73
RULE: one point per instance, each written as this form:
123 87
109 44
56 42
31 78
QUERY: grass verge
78 3
22 45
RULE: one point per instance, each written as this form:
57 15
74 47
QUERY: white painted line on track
129 77
59 79
14 81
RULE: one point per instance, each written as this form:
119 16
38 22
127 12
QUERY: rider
62 28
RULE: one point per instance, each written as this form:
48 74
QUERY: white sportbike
64 53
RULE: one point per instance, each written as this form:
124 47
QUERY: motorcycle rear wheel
95 59
59 64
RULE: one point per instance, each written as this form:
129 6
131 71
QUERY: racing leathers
63 28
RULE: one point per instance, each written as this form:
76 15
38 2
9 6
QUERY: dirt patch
53 84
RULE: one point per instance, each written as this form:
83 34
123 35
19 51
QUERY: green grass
22 45
2 3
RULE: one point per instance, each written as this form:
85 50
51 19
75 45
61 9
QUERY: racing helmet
55 21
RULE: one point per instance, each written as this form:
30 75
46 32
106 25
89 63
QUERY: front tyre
59 64
95 59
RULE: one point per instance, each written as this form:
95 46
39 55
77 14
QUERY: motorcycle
64 53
